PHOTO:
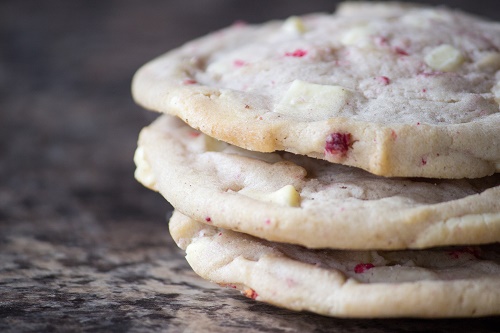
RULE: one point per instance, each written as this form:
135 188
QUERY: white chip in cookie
297 199
398 90
442 282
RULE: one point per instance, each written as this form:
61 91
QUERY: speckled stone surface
84 247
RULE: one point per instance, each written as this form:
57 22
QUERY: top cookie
397 90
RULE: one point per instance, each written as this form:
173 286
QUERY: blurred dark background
68 129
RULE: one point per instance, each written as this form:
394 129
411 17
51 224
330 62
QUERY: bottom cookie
433 283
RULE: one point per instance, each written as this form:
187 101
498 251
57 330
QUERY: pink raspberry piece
338 143
361 268
299 53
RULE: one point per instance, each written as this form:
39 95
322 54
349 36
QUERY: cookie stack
341 163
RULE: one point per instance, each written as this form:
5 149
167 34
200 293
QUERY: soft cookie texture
398 90
297 199
442 282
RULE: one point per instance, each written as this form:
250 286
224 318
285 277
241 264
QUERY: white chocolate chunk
444 58
294 24
143 172
490 61
496 92
285 196
313 101
358 36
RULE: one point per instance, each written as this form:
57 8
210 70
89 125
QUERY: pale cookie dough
443 282
398 90
297 199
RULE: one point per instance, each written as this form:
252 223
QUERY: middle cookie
300 200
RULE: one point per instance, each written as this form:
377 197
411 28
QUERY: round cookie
442 282
296 199
395 89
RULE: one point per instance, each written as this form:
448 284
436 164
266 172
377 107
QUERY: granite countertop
83 246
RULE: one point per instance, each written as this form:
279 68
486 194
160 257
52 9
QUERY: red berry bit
188 82
400 51
298 53
394 135
423 161
194 134
338 143
239 63
208 219
469 250
361 268
384 80
250 293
